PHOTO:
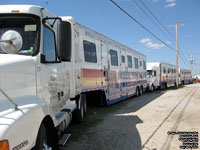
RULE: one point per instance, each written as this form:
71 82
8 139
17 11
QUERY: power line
157 19
191 60
145 28
150 18
182 52
142 25
183 58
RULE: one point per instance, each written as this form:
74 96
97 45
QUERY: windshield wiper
16 106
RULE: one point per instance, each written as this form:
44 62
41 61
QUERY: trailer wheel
84 105
141 90
152 88
160 87
43 141
175 84
137 91
163 86
78 113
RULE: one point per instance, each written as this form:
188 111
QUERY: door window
49 45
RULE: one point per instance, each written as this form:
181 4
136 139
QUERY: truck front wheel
43 141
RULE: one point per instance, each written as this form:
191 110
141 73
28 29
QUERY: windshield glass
27 26
149 73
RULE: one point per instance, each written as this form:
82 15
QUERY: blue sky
105 18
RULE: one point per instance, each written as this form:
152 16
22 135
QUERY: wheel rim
46 147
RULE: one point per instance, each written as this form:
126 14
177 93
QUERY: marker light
4 145
15 11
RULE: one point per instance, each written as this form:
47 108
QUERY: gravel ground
140 123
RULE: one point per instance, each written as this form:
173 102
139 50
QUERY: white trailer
50 67
185 76
160 75
107 67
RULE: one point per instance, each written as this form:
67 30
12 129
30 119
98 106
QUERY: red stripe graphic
92 73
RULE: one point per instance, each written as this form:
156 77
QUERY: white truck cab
36 81
152 79
51 67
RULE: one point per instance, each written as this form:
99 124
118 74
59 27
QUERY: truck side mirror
64 40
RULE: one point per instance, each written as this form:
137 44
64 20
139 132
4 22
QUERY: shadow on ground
110 127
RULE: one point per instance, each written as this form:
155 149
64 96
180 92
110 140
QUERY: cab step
64 139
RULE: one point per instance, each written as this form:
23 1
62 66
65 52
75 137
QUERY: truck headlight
4 145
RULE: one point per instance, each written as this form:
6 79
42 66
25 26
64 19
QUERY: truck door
55 77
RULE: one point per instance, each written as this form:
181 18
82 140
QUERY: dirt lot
154 121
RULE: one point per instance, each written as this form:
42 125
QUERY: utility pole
176 26
191 60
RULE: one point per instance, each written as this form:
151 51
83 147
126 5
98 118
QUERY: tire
84 105
78 114
43 141
137 91
152 88
163 87
174 84
141 91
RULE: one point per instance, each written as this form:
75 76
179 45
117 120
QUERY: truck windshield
149 73
28 26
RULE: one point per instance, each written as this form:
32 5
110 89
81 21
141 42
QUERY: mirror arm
53 23
50 18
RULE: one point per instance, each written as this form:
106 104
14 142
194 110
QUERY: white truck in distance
185 76
50 68
160 75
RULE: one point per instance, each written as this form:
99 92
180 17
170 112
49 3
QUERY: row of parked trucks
51 67
163 75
